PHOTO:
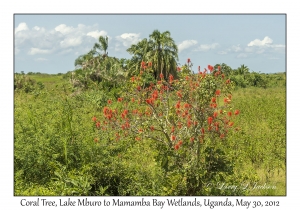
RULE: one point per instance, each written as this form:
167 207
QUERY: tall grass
55 152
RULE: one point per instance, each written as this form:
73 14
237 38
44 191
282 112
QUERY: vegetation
146 126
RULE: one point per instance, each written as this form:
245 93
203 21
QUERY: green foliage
64 146
55 151
26 84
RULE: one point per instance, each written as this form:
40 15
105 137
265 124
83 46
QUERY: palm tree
161 50
139 52
243 70
102 45
85 61
163 53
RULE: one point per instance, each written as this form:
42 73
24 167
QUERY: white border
155 6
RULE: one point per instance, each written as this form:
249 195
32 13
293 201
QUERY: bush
23 82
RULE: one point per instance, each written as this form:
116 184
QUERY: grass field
55 151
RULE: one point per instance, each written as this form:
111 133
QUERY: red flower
188 60
177 105
149 64
213 105
152 128
209 120
173 138
109 101
176 147
179 125
202 130
161 76
213 100
149 101
228 81
222 136
171 78
192 139
143 64
210 68
186 105
94 119
219 68
138 88
237 112
218 92
230 124
180 142
98 124
226 100
178 68
229 114
179 94
132 79
215 114
120 99
189 123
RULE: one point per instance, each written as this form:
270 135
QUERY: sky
51 43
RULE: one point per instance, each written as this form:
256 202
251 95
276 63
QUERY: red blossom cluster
177 146
185 111
210 68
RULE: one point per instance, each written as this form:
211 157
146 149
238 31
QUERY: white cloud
207 47
186 44
249 49
71 42
233 48
65 51
34 51
96 34
242 55
236 48
128 39
266 41
21 27
62 28
61 39
264 46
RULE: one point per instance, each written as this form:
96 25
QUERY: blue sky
51 43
